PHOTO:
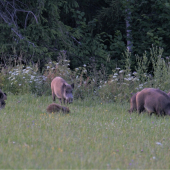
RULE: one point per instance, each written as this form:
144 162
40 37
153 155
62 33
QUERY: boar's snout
168 113
70 100
2 104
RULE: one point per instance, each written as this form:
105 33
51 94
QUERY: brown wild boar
57 108
168 94
153 101
62 90
3 97
133 106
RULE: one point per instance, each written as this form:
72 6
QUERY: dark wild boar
57 108
3 97
133 106
62 90
153 101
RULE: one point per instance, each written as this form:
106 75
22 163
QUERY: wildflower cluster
24 80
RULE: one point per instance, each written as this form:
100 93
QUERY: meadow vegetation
94 135
99 132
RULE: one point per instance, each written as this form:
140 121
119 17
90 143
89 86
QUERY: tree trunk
128 30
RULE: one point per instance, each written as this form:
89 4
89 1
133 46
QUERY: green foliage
122 83
88 31
117 86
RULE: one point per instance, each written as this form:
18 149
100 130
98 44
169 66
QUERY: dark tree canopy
91 32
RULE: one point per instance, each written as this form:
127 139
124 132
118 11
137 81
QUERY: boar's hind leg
140 109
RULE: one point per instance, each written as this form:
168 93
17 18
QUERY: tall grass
95 135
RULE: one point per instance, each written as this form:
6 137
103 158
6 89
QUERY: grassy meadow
95 135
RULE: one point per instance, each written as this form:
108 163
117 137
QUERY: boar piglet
52 108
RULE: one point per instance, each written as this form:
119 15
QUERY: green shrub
122 83
118 86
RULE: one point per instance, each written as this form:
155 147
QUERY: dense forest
87 31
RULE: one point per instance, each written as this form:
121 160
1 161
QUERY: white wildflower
32 77
135 79
158 143
121 71
115 74
128 75
44 78
128 79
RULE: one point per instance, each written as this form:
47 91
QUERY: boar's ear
1 95
5 94
64 85
72 85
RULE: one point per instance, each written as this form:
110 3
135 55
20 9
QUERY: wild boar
133 103
62 90
153 101
168 94
57 108
133 106
3 97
